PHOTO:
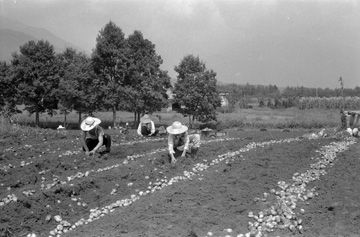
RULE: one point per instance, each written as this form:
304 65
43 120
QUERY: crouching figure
146 127
179 141
94 136
352 122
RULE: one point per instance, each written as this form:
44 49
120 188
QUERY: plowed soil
50 176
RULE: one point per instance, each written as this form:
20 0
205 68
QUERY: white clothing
144 124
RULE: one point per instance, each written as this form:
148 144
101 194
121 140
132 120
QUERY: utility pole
342 93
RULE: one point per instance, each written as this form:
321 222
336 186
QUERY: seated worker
180 140
93 136
352 121
146 127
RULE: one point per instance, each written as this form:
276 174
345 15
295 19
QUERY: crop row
329 103
195 172
58 181
283 212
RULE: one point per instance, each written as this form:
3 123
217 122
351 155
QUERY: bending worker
94 136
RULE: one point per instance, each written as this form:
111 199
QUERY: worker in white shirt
352 120
146 127
180 140
94 136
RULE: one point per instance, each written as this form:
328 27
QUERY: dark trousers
145 131
91 143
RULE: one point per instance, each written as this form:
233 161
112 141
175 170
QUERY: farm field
273 182
271 87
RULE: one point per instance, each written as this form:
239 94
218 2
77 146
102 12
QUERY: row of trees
121 74
341 103
351 103
238 91
271 96
319 92
272 91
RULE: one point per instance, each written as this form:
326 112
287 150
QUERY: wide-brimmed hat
176 128
60 127
89 123
145 119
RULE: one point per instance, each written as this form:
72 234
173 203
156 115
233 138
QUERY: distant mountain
10 42
13 34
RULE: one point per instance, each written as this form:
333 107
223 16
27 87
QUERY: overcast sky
288 43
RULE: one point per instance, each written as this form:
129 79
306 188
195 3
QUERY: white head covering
145 119
60 127
176 128
89 123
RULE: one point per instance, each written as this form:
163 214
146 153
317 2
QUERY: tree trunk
37 120
114 115
138 118
79 118
65 119
190 121
135 118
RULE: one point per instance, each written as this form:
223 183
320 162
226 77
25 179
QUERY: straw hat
145 119
355 131
176 128
89 123
60 127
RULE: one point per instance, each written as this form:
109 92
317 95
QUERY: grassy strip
249 118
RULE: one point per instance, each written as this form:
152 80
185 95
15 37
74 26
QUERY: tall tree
110 64
35 71
77 86
196 90
7 92
146 83
4 83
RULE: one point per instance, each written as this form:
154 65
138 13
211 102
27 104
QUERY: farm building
224 100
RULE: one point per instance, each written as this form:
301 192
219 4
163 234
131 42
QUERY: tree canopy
110 63
122 74
35 71
196 90
77 88
146 83
7 91
4 83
